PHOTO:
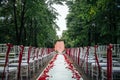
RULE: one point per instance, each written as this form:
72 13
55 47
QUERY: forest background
32 22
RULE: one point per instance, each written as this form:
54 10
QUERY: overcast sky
61 22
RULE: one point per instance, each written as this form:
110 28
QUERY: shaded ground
40 71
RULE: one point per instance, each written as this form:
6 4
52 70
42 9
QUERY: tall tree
91 22
28 22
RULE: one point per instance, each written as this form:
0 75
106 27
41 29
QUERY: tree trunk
22 22
15 22
89 36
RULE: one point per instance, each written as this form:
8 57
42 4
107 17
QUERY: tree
92 22
31 22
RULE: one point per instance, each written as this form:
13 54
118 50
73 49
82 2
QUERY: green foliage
91 22
28 22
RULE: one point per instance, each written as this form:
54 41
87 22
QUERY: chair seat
11 69
16 64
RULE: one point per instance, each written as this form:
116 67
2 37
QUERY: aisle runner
60 68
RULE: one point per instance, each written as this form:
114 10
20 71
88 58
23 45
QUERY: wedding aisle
60 68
